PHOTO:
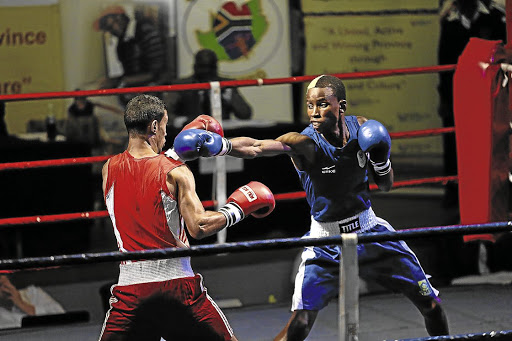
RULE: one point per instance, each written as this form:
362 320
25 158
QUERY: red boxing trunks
177 309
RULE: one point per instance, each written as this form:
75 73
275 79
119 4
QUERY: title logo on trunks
349 227
361 158
329 170
248 193
424 287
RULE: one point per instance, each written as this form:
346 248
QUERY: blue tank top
337 185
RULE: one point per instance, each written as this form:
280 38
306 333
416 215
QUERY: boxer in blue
333 157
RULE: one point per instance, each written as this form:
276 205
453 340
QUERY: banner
347 6
263 53
352 38
30 61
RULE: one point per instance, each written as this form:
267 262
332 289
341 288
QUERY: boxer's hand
374 138
254 198
193 143
205 122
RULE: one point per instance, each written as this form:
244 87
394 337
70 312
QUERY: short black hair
206 57
141 111
328 81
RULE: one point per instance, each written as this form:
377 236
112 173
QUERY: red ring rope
207 204
224 84
94 159
182 87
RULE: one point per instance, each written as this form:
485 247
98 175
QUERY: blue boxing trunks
391 264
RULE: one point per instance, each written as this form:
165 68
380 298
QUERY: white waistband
365 221
154 270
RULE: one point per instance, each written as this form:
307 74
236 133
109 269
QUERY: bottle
51 124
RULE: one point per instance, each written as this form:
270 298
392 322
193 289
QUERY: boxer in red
151 200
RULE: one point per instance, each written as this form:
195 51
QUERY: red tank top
144 213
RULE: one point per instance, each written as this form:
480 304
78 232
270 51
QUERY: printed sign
352 38
30 61
251 40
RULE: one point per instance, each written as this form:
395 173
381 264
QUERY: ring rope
224 84
492 335
97 159
9 222
269 244
53 162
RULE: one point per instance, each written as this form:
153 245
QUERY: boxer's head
326 103
328 81
146 115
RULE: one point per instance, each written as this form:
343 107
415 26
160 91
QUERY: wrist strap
232 212
171 153
381 168
226 147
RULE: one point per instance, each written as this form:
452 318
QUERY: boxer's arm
252 199
291 144
385 182
104 175
200 223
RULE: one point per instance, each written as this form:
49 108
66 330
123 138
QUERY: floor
471 308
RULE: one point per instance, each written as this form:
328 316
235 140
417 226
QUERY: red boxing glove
205 122
254 198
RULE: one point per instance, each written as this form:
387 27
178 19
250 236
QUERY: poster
263 52
354 36
30 61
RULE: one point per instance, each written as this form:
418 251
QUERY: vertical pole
508 43
219 175
508 15
348 302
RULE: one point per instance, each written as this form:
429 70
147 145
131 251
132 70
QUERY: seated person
184 106
18 303
83 125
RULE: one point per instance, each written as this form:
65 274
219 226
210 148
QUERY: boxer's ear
343 106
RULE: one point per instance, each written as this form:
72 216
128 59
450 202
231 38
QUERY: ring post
348 302
482 123
219 174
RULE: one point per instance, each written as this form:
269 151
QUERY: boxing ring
487 219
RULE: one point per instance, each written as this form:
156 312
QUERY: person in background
17 303
140 49
461 20
3 125
82 125
333 158
184 106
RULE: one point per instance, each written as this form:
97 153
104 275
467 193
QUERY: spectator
3 125
83 125
16 304
184 106
461 20
140 49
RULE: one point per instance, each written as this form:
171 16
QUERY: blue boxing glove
374 138
193 143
